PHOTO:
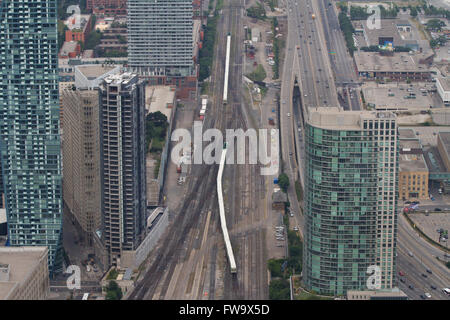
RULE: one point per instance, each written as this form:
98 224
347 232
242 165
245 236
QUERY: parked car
437 209
411 287
429 271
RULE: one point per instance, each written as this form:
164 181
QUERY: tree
279 290
113 291
283 182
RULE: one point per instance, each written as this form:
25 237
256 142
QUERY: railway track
182 249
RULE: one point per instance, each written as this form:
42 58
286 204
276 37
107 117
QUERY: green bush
279 290
257 12
283 182
274 266
113 291
259 74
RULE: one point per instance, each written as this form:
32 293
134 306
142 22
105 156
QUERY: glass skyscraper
29 123
350 203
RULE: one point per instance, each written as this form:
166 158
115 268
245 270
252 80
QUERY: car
429 271
402 280
401 273
295 228
290 153
410 254
446 291
291 214
288 114
437 209
415 202
408 202
427 294
411 287
423 296
433 287
424 275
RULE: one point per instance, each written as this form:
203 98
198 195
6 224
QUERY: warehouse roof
398 62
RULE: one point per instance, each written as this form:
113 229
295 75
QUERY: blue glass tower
29 123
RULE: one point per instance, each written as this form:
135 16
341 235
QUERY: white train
223 221
227 70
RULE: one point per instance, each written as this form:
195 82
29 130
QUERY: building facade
80 146
122 136
24 273
413 171
29 124
351 185
160 43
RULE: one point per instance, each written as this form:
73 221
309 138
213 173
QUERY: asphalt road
415 266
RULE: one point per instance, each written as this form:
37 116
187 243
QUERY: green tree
283 182
279 290
113 291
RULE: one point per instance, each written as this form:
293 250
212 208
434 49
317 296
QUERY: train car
227 69
223 222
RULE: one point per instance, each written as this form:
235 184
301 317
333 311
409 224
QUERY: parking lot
434 221
393 97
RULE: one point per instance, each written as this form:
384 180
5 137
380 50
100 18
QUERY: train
223 222
227 70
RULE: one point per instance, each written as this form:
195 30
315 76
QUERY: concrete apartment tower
81 148
122 139
350 199
30 144
160 42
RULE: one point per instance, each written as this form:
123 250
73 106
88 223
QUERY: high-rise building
80 146
350 199
24 273
29 124
160 42
122 136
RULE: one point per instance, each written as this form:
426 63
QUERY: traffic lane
413 276
424 258
406 232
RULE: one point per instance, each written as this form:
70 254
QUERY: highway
341 61
424 257
306 53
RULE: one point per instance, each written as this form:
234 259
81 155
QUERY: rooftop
398 62
160 98
337 119
69 46
412 163
22 261
93 71
444 82
409 144
445 139
71 21
406 133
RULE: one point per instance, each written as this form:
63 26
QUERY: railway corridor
190 261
